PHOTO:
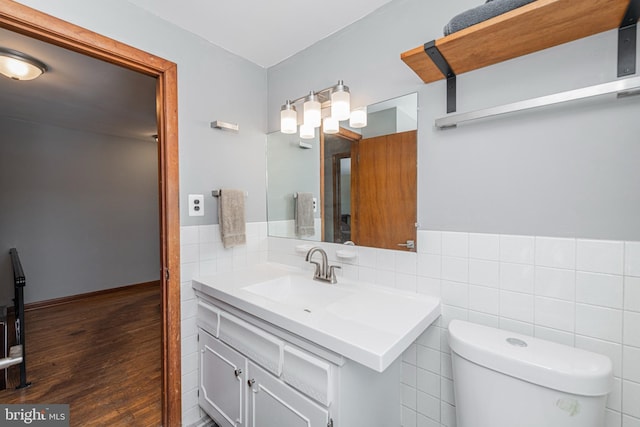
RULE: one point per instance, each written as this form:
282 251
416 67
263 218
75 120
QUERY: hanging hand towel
232 223
304 215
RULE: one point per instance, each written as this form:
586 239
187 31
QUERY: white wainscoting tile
632 259
555 283
516 306
631 328
606 290
555 252
555 313
484 246
600 256
517 277
518 249
599 322
632 293
484 272
455 244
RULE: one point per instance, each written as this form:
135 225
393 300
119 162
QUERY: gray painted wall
213 84
565 171
81 208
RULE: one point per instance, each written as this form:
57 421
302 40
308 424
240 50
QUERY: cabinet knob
251 382
237 372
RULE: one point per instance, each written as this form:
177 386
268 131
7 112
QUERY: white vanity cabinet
238 392
222 387
273 403
255 375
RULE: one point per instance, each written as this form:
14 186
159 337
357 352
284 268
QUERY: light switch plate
196 204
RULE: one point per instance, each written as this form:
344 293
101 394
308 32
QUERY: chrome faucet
324 272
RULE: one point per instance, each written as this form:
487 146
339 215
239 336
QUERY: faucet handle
318 272
332 273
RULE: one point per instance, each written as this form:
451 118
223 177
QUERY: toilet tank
504 379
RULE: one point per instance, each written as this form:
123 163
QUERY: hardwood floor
101 355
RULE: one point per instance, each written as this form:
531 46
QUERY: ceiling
264 32
78 91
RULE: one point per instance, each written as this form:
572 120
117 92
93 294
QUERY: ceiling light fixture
19 66
330 105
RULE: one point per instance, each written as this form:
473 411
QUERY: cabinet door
222 385
272 403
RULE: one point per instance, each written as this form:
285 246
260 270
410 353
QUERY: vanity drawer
257 345
307 373
208 317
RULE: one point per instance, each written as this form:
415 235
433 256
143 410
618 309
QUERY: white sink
299 291
369 324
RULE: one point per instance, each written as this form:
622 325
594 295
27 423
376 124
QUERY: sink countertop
369 324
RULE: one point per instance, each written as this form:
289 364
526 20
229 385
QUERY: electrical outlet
196 205
315 205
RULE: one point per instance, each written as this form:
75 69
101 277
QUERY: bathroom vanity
279 349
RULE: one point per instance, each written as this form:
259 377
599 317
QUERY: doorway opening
32 23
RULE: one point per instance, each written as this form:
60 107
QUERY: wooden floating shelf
527 29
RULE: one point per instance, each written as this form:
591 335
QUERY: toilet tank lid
552 365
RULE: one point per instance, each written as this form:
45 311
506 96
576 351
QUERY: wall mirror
361 182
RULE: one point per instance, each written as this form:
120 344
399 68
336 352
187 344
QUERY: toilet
503 379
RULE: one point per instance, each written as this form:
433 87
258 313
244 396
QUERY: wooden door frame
35 24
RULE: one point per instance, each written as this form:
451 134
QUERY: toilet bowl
503 379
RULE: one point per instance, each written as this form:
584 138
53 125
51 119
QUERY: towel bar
623 88
216 193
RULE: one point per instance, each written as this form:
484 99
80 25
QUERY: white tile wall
578 292
202 253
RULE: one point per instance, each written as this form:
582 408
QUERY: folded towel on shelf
304 215
481 13
232 222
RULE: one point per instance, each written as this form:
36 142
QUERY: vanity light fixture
358 118
19 66
288 118
312 114
307 131
340 102
333 102
330 125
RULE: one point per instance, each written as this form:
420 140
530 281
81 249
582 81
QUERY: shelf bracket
627 40
433 52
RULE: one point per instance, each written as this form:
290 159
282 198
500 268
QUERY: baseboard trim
74 298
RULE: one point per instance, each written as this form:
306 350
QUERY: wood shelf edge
516 33
418 60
